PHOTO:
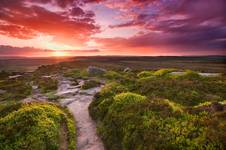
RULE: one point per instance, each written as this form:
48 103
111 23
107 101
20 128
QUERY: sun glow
59 53
55 46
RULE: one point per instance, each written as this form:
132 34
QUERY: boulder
2 91
217 107
14 77
127 69
93 71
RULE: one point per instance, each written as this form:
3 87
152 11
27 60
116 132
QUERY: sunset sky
37 28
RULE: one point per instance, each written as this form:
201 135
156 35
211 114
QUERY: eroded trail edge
77 101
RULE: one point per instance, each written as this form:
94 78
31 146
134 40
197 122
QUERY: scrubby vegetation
4 75
136 110
157 110
76 73
34 126
188 89
90 84
52 96
112 75
14 89
47 84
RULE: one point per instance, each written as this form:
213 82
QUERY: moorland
121 103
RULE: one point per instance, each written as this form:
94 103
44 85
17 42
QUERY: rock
93 71
210 74
14 77
127 69
2 91
75 83
217 107
211 108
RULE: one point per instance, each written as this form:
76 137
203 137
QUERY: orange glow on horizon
59 53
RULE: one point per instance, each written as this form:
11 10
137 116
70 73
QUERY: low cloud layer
6 50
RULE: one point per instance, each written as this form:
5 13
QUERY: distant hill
198 63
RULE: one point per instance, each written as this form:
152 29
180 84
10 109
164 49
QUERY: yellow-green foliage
130 121
163 72
145 74
189 74
133 123
185 90
112 75
175 107
100 106
152 74
124 99
34 126
112 88
203 104
146 79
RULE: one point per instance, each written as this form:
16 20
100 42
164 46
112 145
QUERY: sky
40 28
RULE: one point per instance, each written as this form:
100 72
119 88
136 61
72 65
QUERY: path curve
77 101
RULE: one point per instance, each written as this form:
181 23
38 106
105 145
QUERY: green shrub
145 74
123 99
185 91
47 85
190 75
130 121
175 107
112 89
75 73
146 79
156 124
90 84
8 106
52 96
112 75
163 72
33 126
15 89
99 106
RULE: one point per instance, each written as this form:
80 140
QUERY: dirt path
78 101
